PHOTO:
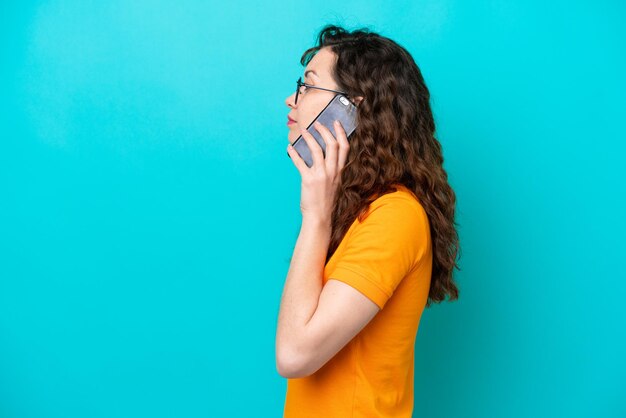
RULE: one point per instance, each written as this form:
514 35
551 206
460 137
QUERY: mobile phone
339 108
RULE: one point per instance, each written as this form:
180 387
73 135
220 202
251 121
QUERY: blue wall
148 208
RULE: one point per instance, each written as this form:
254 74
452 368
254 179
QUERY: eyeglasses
300 84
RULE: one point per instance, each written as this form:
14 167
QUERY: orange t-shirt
388 258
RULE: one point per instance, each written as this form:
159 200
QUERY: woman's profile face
312 101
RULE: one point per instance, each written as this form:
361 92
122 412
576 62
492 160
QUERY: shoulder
399 205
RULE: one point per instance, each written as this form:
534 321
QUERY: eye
303 89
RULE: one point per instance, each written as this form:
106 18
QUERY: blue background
148 208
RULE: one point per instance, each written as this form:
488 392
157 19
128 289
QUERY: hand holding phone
339 108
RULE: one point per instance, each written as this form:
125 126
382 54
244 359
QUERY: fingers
331 145
314 147
336 148
297 160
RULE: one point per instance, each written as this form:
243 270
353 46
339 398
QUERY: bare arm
315 322
301 292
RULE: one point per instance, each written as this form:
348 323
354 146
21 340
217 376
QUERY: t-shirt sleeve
383 248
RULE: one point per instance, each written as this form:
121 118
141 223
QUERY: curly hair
394 142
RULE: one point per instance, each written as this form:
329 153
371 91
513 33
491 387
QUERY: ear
357 100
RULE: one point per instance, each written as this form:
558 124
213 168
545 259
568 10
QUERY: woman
377 242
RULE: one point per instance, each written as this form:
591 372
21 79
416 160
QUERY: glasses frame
300 84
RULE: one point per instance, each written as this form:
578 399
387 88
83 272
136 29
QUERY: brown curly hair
394 142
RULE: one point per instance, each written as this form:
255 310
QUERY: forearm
303 285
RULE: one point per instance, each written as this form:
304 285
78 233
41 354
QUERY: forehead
321 63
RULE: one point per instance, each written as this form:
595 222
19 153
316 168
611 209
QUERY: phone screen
339 108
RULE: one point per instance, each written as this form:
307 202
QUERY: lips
289 119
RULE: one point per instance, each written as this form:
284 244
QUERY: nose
289 101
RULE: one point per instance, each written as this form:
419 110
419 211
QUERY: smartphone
339 108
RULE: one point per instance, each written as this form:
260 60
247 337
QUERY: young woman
378 241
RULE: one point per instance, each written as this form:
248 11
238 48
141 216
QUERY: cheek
304 121
309 114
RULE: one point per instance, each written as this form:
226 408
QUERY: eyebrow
310 71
